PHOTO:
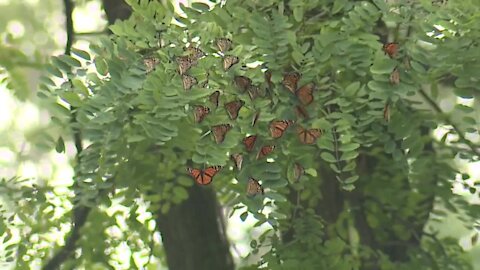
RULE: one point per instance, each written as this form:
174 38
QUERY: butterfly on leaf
185 63
255 118
242 82
229 61
188 81
214 97
305 94
298 171
249 142
386 112
233 108
254 187
395 77
253 91
290 81
265 151
200 112
391 49
278 127
308 136
224 44
301 112
237 160
194 52
203 177
219 132
268 78
150 63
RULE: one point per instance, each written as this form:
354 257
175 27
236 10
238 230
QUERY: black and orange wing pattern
150 63
188 81
219 132
242 82
254 187
233 108
214 97
290 81
253 92
237 160
305 94
391 49
229 61
224 44
265 150
184 63
278 127
249 142
200 112
308 136
195 53
204 177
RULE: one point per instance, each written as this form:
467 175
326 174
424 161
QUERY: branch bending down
475 148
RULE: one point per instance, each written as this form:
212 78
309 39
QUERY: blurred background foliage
37 152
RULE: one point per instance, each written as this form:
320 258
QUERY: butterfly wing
253 92
391 49
255 118
249 142
237 160
188 81
208 174
199 113
265 150
150 63
224 44
305 94
298 171
233 108
395 77
195 53
386 112
308 136
278 127
213 98
254 187
184 63
290 81
197 174
242 82
220 131
229 61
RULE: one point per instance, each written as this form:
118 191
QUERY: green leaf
338 6
80 53
67 59
71 98
54 71
244 216
80 87
60 145
383 65
328 157
180 192
101 66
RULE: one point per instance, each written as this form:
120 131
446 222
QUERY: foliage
372 180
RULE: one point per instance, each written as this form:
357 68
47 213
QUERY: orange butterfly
391 49
195 53
200 112
242 82
185 63
395 77
301 112
255 118
308 136
237 160
204 177
278 127
188 81
290 81
233 108
219 132
150 63
229 61
305 94
386 112
214 98
224 44
254 187
249 142
265 150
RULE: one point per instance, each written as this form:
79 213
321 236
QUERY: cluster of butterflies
304 94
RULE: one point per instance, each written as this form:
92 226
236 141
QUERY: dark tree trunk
192 232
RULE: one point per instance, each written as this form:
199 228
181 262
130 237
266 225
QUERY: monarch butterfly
203 177
298 171
150 63
214 98
301 112
255 118
254 187
395 77
391 49
305 93
219 132
386 112
185 63
188 81
290 81
242 82
233 108
249 142
253 92
308 136
199 113
229 61
237 160
224 44
265 150
195 53
278 127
